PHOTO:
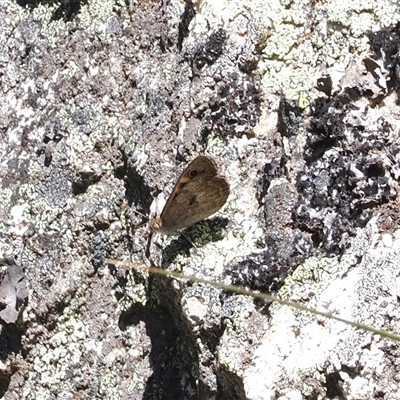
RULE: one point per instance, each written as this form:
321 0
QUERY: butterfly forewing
199 193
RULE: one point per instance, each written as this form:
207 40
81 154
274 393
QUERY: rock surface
105 102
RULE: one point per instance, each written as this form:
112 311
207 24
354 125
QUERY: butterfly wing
199 193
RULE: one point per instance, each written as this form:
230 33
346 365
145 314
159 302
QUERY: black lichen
266 270
348 173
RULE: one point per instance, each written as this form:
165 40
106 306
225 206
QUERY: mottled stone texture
102 105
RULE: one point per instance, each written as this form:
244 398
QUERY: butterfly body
198 193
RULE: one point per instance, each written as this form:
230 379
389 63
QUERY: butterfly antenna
142 215
139 213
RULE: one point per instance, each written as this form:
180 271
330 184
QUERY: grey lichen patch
27 191
108 385
281 43
353 13
215 144
135 291
94 17
5 197
46 216
315 274
53 362
340 26
101 17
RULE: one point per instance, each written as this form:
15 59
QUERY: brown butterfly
199 193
